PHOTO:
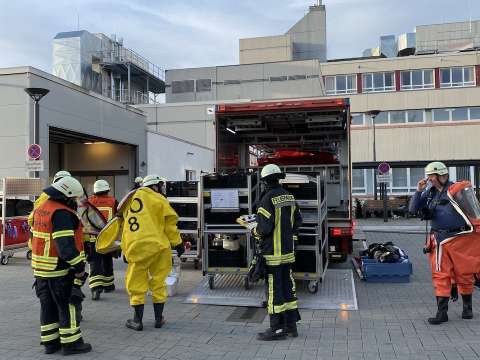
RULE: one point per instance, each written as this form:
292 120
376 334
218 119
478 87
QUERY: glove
180 249
257 269
454 293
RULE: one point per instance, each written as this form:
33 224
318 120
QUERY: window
397 117
399 180
190 175
457 76
341 84
460 114
463 173
358 181
297 77
414 116
184 86
382 118
278 78
416 79
416 174
441 114
475 113
357 119
456 114
204 85
384 81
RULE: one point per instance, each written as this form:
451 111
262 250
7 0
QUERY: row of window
409 80
420 116
201 85
404 180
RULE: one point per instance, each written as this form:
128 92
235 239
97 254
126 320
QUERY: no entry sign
384 168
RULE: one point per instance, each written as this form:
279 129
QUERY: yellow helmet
436 167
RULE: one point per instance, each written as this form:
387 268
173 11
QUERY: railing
124 55
135 97
457 43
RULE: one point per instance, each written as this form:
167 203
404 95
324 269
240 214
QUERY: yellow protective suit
41 199
149 232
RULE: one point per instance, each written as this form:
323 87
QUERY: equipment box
377 272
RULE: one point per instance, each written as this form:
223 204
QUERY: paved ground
389 325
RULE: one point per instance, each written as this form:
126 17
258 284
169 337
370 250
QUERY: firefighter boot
276 330
78 347
467 312
442 315
136 322
158 310
96 293
52 347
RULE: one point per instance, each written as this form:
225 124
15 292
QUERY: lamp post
36 94
373 114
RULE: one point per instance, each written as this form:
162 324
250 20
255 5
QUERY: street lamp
36 94
373 114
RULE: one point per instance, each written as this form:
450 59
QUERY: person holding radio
450 262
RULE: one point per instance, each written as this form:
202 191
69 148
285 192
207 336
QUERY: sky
180 33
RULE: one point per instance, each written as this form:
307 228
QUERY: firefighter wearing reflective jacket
57 260
149 233
278 220
454 243
42 198
101 266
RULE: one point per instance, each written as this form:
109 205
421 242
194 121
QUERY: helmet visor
468 202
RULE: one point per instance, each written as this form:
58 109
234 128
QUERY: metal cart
184 196
227 246
14 229
311 259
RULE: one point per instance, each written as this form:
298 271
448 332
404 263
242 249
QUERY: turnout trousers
149 274
454 260
281 296
101 271
58 319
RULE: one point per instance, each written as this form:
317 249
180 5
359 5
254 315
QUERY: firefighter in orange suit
454 242
57 260
101 266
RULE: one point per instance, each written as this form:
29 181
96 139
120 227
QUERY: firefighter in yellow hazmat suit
149 233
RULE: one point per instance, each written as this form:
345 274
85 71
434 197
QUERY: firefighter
101 266
449 244
57 261
149 232
137 182
278 220
43 196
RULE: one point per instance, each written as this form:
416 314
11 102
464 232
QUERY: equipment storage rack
227 246
184 197
311 253
14 227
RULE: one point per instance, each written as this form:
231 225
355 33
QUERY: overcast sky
181 33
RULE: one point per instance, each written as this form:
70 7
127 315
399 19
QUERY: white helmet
153 179
69 186
61 174
270 169
436 167
138 180
100 186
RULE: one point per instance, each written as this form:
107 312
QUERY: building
429 103
102 64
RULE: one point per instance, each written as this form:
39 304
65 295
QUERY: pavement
390 323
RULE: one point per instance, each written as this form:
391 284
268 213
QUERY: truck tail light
338 232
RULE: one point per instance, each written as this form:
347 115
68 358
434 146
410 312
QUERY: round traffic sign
34 151
384 168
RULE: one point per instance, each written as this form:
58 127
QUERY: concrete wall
68 107
252 81
171 157
266 49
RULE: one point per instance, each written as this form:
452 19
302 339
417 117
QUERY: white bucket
174 277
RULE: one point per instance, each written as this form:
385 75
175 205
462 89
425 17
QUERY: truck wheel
211 282
29 255
312 287
4 260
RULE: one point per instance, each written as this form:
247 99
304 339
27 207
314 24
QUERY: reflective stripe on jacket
278 220
45 257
